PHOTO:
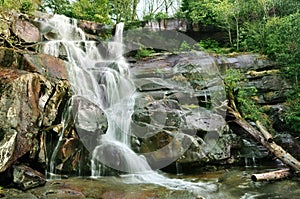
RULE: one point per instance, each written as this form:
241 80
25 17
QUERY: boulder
26 31
91 27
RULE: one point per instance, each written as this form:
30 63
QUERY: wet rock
84 123
26 178
173 116
28 102
26 31
90 121
162 114
106 188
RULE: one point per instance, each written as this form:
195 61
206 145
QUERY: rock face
261 74
179 112
29 101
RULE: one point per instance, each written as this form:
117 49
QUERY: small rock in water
26 178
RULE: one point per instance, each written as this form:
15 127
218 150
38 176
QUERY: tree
56 6
94 10
224 17
134 9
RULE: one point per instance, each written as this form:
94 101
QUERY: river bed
232 183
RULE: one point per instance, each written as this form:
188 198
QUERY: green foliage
253 37
185 46
235 83
57 6
90 10
26 7
209 44
149 17
161 16
144 52
202 11
293 112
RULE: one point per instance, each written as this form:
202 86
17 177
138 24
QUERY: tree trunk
134 7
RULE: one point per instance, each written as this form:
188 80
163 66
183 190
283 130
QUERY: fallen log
264 132
276 150
273 175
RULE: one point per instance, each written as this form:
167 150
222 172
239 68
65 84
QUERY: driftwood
266 139
273 175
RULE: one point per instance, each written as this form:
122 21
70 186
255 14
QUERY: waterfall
107 83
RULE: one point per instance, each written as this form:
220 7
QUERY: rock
173 116
246 62
83 124
4 29
91 27
10 58
45 64
26 178
32 62
271 89
270 83
90 121
26 31
277 114
289 143
159 114
28 102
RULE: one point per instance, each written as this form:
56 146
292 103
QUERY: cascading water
106 82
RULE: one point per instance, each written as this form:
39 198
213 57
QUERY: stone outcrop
179 110
262 74
29 102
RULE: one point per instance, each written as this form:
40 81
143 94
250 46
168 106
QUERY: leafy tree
224 17
283 43
161 16
56 6
96 10
202 11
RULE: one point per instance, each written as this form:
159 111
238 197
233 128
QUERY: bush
293 113
26 7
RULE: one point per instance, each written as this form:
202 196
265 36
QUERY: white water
112 89
106 83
